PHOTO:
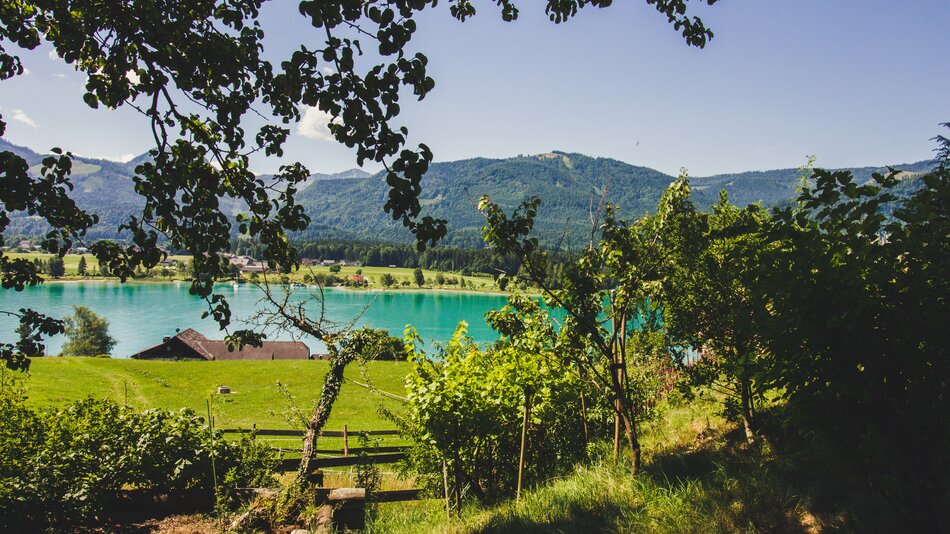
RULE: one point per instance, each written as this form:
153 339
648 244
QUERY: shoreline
98 280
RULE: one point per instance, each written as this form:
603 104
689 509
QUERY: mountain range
348 205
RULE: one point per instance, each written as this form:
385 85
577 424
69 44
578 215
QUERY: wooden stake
346 445
214 474
617 406
524 436
584 419
445 481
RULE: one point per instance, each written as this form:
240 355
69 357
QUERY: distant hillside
348 205
568 184
777 186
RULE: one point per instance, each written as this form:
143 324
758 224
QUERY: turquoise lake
140 314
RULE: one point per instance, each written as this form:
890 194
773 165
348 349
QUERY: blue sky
853 82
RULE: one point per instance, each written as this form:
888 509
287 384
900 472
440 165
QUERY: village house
241 260
191 345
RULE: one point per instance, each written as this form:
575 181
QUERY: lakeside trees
87 334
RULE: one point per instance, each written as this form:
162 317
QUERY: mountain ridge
348 205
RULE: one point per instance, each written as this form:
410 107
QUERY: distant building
357 279
191 345
328 262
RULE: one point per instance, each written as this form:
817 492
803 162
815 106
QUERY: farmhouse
191 345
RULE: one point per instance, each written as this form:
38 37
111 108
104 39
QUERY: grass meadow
255 399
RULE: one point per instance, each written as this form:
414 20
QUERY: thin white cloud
20 116
53 55
122 158
59 75
315 124
327 70
26 71
133 77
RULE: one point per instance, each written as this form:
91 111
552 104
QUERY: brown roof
190 343
270 350
196 341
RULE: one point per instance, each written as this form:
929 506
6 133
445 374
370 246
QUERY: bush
62 465
466 408
379 345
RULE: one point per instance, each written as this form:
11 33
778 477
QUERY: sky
853 82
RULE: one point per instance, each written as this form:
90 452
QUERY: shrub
466 408
62 465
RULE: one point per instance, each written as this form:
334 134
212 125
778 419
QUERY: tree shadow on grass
566 517
783 483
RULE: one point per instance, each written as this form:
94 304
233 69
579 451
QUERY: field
70 261
255 397
403 275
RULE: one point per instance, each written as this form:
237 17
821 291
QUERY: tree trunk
748 422
331 389
634 444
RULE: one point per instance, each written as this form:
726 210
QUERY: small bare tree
285 312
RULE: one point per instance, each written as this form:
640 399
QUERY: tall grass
699 477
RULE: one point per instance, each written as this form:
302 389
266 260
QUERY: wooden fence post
346 445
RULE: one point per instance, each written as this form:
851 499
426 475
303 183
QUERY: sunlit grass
697 478
255 397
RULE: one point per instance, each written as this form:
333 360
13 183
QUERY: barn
191 345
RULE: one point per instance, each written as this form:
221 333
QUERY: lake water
140 314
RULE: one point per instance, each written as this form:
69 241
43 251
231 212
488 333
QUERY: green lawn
255 398
70 261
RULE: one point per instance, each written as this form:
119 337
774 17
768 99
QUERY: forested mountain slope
348 205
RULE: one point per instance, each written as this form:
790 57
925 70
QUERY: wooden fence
344 457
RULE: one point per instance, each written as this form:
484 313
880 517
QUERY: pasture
255 396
